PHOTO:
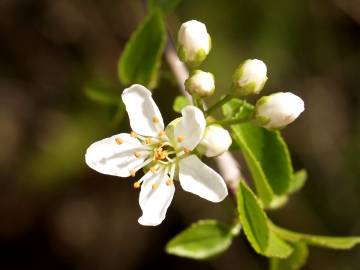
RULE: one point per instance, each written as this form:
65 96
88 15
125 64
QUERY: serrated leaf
166 6
141 58
201 240
179 103
298 181
316 240
295 261
255 226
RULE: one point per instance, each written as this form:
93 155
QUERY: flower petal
196 177
145 117
115 155
190 129
155 198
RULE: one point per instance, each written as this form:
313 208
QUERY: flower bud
201 83
250 77
278 110
194 43
216 141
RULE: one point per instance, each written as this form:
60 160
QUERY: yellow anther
160 154
133 134
154 185
137 154
136 184
155 120
180 139
148 141
118 140
187 150
152 169
162 133
169 182
132 173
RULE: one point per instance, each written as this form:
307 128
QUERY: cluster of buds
271 112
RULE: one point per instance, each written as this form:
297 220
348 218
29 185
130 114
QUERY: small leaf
298 181
295 261
316 240
255 225
277 248
252 218
201 240
166 6
140 60
179 103
237 109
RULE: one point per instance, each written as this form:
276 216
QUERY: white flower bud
216 141
278 110
194 43
250 77
201 83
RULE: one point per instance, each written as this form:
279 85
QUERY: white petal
155 200
145 117
196 177
190 129
109 157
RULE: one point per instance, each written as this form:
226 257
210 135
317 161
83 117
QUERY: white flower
278 110
162 153
194 43
250 77
216 141
201 83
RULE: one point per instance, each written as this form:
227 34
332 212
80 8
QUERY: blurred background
55 213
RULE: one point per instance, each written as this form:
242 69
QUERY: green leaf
179 103
265 153
141 58
252 218
201 240
255 226
298 181
295 261
277 248
165 5
237 109
316 240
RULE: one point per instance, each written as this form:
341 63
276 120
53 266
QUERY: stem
217 105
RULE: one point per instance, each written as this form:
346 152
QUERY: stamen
136 184
154 186
180 139
155 120
169 182
133 134
137 154
162 133
132 173
118 140
153 169
187 150
148 141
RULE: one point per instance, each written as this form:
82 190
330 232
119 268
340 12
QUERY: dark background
55 213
